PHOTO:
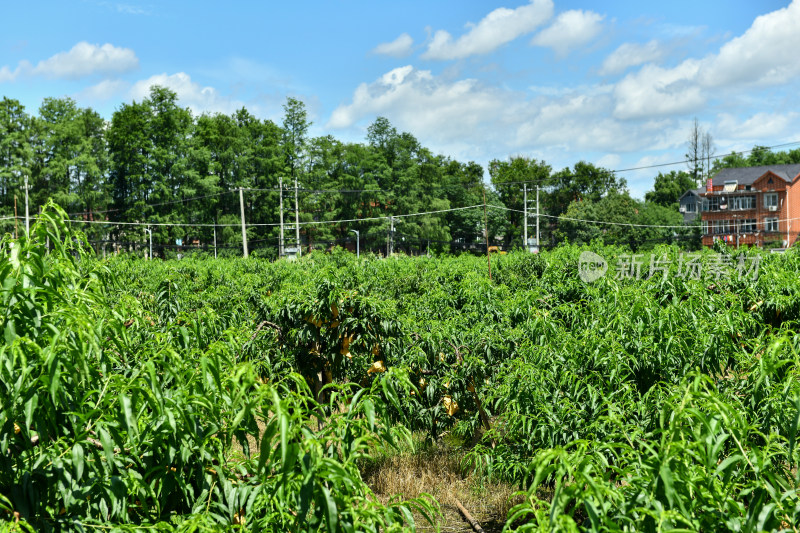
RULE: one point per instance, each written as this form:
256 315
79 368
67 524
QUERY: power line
588 221
182 201
307 223
556 176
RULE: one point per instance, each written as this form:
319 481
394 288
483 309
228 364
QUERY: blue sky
614 83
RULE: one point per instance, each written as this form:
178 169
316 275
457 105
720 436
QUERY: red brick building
752 206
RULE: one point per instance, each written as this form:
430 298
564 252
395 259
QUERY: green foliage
622 404
668 188
140 413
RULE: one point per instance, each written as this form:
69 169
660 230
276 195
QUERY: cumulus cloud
631 55
191 94
400 47
757 126
462 117
658 91
84 59
570 30
499 27
763 56
467 118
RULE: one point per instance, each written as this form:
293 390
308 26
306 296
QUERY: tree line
155 162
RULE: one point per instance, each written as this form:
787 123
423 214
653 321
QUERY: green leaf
331 513
78 460
369 411
30 408
128 418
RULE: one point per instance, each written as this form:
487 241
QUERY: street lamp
148 230
358 235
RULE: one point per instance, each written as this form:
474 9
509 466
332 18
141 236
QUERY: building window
770 200
711 203
722 226
746 226
691 207
771 224
741 203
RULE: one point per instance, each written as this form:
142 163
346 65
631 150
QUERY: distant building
690 204
751 206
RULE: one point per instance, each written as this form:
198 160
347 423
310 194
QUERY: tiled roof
748 175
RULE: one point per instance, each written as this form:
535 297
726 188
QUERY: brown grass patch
436 471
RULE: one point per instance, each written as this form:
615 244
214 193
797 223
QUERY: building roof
748 175
696 192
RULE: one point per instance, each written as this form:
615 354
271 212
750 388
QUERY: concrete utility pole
297 220
525 217
280 209
150 234
358 236
27 215
244 232
215 242
538 242
391 236
486 230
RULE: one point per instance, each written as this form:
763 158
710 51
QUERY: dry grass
436 471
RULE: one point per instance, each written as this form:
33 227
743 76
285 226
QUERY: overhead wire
645 167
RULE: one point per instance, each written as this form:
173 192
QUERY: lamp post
150 232
358 236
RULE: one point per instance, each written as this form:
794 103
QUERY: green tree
16 154
506 176
295 131
617 218
668 188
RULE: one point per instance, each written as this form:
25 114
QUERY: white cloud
82 60
610 161
570 30
466 118
103 91
656 91
630 55
190 94
460 117
6 74
763 56
400 47
132 10
85 59
758 126
499 27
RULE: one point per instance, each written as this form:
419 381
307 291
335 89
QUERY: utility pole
280 209
525 217
150 234
27 215
486 230
244 232
538 242
16 231
391 237
297 220
215 242
358 236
